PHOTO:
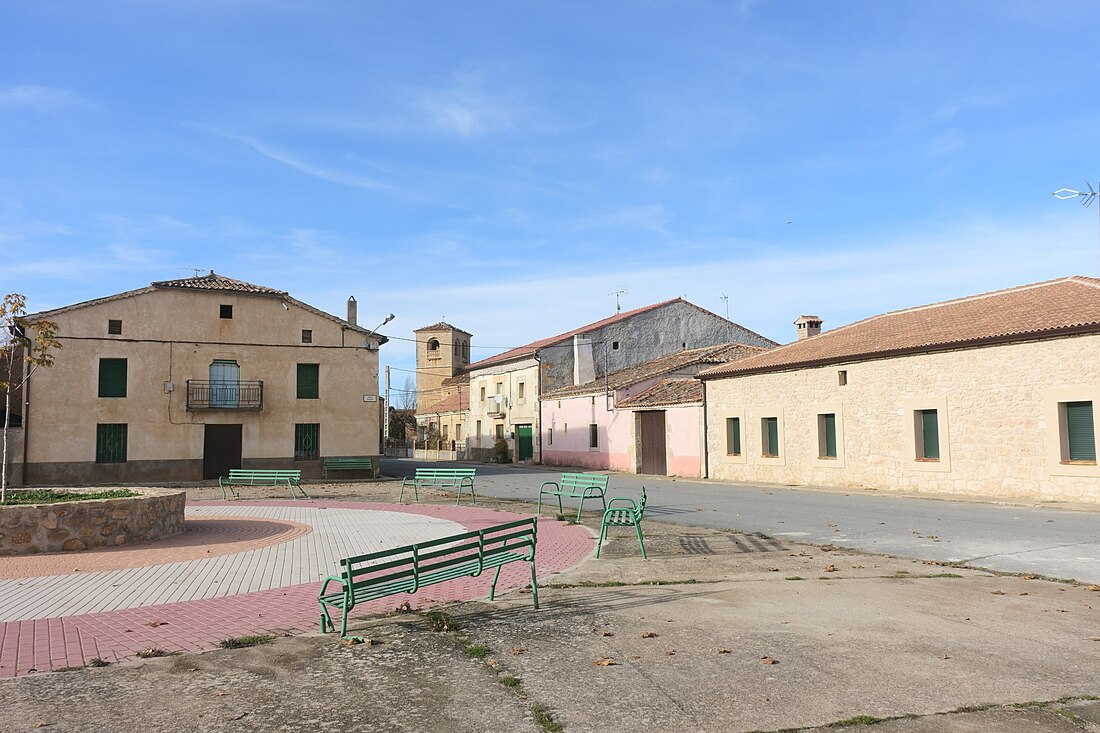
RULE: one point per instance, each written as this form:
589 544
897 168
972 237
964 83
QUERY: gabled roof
442 326
1066 306
661 365
667 392
214 281
459 401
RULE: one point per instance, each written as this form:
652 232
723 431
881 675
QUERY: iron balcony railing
204 394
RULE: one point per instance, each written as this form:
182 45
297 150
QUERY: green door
525 442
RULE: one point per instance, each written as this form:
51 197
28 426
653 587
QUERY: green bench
412 567
346 464
260 477
625 514
447 478
575 486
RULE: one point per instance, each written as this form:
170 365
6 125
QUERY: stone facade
999 426
81 525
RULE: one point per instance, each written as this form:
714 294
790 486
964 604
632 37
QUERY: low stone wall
80 525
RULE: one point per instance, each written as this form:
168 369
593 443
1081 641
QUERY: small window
483 394
114 327
307 336
477 428
842 377
593 435
733 436
593 400
500 432
566 429
112 378
928 435
433 345
226 311
614 345
309 381
307 441
110 443
500 388
458 431
826 435
550 436
521 390
769 436
444 432
1079 432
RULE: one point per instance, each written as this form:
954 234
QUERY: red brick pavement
49 644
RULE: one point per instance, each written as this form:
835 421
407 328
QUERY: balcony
493 407
203 394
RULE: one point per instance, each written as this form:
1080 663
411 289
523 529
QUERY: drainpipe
538 396
26 426
706 444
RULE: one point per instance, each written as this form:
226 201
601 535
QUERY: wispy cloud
331 175
651 218
466 109
39 98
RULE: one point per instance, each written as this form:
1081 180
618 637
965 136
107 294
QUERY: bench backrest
264 473
421 558
445 472
368 462
583 480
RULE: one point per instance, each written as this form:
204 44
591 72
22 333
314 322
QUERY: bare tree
407 400
17 348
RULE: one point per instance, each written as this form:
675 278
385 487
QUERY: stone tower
442 351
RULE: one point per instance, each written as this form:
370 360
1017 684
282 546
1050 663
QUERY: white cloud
465 109
310 169
38 98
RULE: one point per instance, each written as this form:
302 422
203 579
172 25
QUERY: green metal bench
626 514
412 567
346 464
576 486
447 478
260 477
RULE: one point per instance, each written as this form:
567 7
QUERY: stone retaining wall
80 525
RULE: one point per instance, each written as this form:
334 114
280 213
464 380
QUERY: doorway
525 442
221 450
652 425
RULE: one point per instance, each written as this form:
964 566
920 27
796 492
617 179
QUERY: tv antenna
197 270
1087 197
617 293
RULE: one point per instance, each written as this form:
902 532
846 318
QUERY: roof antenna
1087 197
617 293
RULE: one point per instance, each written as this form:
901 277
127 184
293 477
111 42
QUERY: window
308 381
477 430
769 436
110 443
307 441
593 435
433 347
927 430
826 435
566 431
112 378
842 377
458 431
482 396
114 327
500 432
1079 433
521 391
226 311
225 383
733 436
444 433
307 336
550 436
614 345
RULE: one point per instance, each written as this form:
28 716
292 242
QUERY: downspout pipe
706 443
538 393
26 424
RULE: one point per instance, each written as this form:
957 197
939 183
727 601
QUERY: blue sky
507 165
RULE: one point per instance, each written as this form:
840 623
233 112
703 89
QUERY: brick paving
58 621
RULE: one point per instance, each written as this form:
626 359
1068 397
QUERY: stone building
990 395
184 379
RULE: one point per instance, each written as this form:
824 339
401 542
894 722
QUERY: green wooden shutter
308 382
110 443
828 427
112 377
772 447
733 436
930 433
1082 435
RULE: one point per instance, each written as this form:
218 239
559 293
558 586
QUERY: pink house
644 419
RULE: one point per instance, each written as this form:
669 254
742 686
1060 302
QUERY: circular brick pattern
203 537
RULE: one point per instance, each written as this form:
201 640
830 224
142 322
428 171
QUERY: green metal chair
625 514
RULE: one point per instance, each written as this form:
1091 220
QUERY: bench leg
638 529
603 534
299 487
493 587
534 586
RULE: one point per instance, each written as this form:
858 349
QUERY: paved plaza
240 568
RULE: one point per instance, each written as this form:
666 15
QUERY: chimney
353 311
807 326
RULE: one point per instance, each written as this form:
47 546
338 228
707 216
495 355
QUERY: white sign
370 398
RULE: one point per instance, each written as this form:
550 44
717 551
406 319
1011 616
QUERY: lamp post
1087 197
385 405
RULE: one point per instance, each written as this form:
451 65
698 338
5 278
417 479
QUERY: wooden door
653 442
525 442
221 450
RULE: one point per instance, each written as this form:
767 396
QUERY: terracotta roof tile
458 402
661 365
214 281
442 326
1054 307
667 392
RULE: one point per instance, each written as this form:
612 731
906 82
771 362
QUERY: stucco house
184 379
505 390
644 419
990 395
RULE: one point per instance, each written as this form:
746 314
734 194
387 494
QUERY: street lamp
1087 197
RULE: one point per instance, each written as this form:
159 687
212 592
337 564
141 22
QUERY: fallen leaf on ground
671 653
831 568
649 634
998 593
1030 577
519 650
155 624
772 570
768 660
946 657
607 633
604 662
724 651
1095 588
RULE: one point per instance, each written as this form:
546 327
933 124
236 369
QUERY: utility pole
386 428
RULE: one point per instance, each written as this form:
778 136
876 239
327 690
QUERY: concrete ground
718 631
